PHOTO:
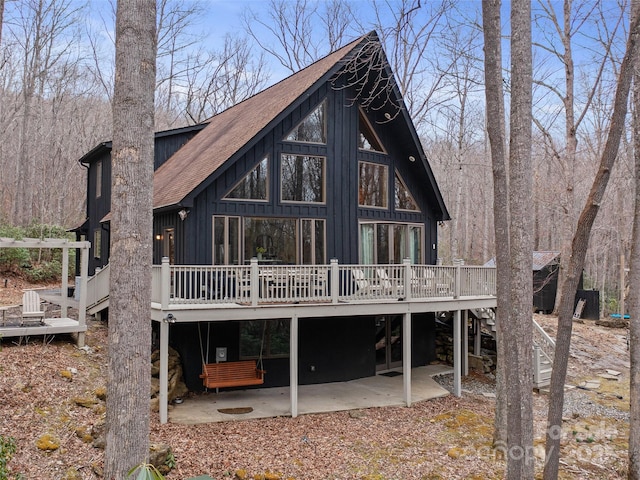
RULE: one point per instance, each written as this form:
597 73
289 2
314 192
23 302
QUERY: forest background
56 87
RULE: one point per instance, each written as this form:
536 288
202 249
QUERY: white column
465 343
457 367
64 292
477 346
293 365
82 300
164 370
406 357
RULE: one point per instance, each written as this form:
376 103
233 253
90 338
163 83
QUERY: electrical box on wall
221 354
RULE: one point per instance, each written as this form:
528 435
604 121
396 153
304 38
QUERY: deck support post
406 357
457 356
84 285
465 343
477 344
164 371
293 366
64 289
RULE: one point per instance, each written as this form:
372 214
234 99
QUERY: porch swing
231 374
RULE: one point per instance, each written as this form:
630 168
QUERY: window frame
399 178
373 256
324 179
384 195
324 104
264 158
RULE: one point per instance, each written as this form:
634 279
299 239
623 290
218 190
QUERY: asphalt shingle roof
232 129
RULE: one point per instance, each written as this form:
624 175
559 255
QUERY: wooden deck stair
543 346
543 352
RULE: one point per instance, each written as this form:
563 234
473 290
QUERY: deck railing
98 286
257 284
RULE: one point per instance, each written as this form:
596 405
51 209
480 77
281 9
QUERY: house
275 215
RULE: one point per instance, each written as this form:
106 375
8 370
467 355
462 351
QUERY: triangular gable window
313 128
404 199
367 138
254 184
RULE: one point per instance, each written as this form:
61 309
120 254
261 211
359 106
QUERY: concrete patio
377 391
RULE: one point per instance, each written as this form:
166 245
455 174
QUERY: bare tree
218 80
300 32
492 27
634 290
572 22
512 212
129 365
43 34
570 277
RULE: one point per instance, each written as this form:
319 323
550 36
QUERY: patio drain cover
236 411
391 374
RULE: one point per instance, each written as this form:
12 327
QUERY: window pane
97 244
226 240
98 179
415 239
233 257
399 243
373 185
312 242
218 241
366 243
254 185
266 338
302 178
320 251
274 237
367 139
403 198
382 247
313 128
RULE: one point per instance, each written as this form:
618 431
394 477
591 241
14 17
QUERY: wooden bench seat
232 374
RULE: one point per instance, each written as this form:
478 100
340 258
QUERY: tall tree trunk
571 276
634 287
519 332
491 23
129 368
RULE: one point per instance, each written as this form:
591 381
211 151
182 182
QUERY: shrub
7 448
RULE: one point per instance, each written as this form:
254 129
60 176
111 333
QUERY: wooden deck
201 293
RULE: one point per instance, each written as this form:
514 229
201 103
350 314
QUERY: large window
382 243
273 240
373 185
254 184
313 129
302 178
264 338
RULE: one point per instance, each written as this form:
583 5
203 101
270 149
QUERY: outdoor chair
31 309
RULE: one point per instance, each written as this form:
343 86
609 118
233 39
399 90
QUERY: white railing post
407 279
457 281
335 280
254 282
165 283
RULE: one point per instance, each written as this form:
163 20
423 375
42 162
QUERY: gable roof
232 129
540 260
